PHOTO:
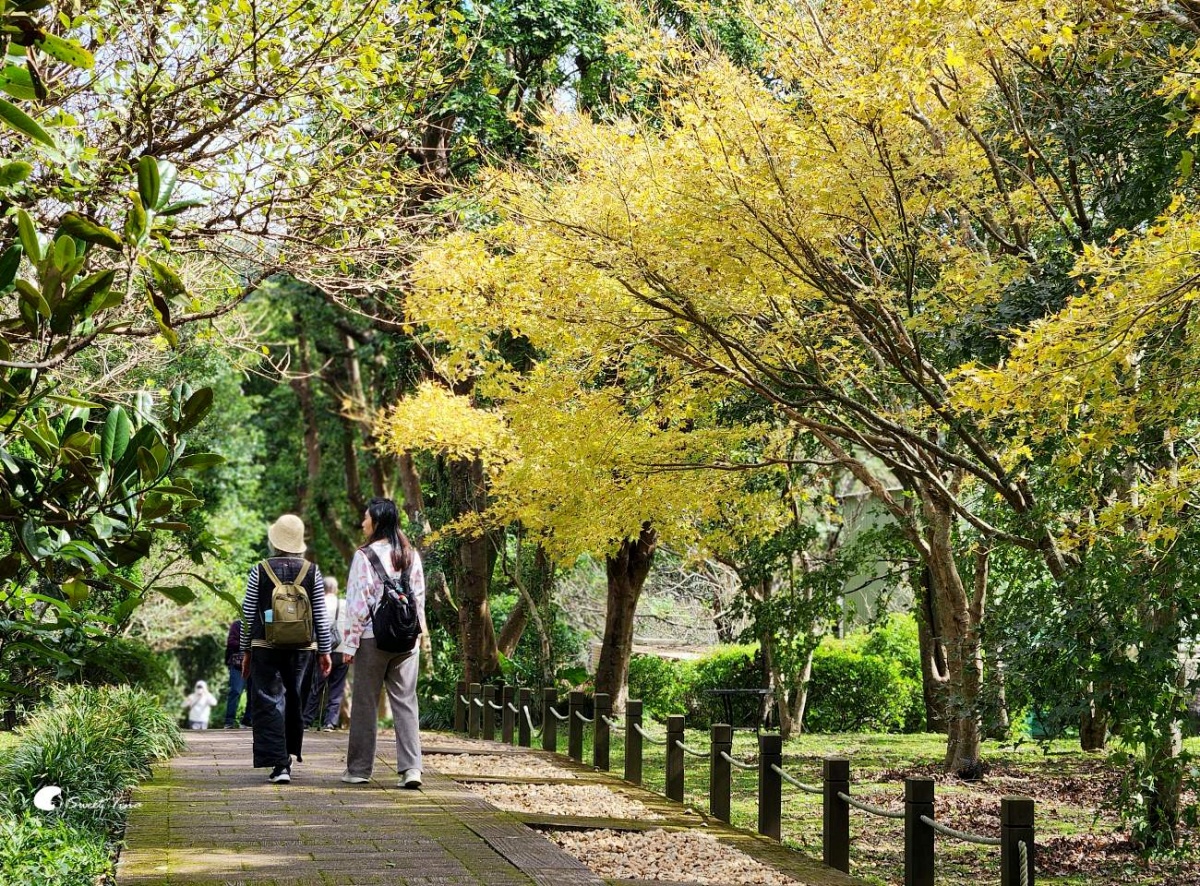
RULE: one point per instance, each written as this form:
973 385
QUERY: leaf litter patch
677 856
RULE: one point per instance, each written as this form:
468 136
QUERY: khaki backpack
291 625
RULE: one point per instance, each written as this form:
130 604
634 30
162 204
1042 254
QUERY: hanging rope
496 707
612 724
529 720
642 732
977 839
867 807
478 701
557 716
688 750
807 788
738 764
512 707
583 718
1024 851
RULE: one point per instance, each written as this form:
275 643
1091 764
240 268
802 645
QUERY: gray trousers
373 670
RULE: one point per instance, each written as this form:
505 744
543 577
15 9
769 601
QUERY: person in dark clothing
237 683
277 674
325 695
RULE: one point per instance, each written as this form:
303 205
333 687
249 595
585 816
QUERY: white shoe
354 779
410 779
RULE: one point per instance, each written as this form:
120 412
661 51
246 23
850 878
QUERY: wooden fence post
508 720
675 757
524 703
835 831
601 708
1016 827
460 707
575 726
720 772
918 836
633 741
489 715
770 786
474 713
549 721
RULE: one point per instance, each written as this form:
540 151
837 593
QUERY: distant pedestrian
237 683
325 696
387 551
199 706
285 611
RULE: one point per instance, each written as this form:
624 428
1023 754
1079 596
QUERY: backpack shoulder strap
303 572
266 565
376 563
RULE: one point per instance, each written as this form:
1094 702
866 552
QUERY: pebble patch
563 799
500 765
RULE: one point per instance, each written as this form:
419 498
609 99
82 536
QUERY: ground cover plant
1079 833
95 745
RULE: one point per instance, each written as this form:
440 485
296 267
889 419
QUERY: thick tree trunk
958 618
933 656
473 573
1093 723
627 570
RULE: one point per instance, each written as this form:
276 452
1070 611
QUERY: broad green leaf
167 281
180 594
148 468
92 290
68 51
102 526
180 206
18 82
64 252
33 298
200 461
162 315
10 261
149 181
71 400
23 123
194 410
85 229
29 236
168 175
14 173
114 438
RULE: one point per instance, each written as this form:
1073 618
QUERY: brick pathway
208 818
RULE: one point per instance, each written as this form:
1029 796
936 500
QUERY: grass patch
95 745
1078 836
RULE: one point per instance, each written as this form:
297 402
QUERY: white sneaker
410 779
354 779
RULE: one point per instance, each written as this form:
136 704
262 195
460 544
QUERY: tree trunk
473 573
302 386
1093 723
800 692
933 656
958 620
627 570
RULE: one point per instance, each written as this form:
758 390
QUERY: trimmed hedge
868 682
95 744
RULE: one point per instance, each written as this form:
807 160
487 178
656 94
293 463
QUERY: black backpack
394 621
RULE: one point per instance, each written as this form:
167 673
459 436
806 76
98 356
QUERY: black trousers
326 689
277 697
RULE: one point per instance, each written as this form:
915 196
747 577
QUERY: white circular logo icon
46 799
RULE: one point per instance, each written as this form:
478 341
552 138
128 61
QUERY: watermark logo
48 798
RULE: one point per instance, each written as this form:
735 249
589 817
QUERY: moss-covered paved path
208 818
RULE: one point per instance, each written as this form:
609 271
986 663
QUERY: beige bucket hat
287 534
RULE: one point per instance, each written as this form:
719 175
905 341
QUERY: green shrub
727 667
663 684
120 660
93 743
855 692
35 849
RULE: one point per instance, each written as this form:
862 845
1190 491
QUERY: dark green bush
727 667
122 660
663 684
855 692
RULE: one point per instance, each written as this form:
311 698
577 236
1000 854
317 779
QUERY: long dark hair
385 518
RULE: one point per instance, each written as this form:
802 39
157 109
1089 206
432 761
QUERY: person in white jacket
199 705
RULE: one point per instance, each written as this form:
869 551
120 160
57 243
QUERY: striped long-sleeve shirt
252 609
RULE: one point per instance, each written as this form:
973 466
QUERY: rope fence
965 836
921 827
691 751
868 808
737 764
807 788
